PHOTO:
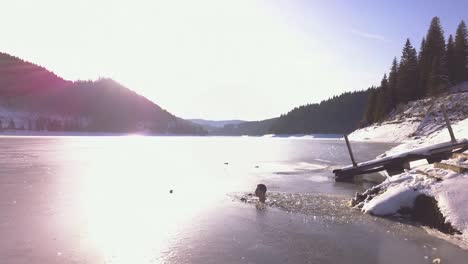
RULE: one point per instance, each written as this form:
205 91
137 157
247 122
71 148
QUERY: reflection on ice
107 200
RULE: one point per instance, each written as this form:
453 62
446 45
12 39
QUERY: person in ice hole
260 192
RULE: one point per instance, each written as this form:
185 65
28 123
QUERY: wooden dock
396 164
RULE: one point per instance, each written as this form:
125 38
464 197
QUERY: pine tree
438 82
371 106
421 49
11 124
407 85
379 108
451 60
392 84
433 50
382 104
386 92
422 62
461 53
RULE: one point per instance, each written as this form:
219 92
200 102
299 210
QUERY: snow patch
400 191
392 200
420 121
452 198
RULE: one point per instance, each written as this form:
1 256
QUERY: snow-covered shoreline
420 121
398 194
416 125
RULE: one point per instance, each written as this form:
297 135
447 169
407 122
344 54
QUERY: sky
215 59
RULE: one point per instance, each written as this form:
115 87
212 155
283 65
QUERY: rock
372 191
360 205
243 200
171 191
405 211
358 198
426 211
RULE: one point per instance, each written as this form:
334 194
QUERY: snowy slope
419 120
417 125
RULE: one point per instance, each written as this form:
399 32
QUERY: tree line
43 124
339 114
437 66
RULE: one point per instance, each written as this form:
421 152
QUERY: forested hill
19 77
439 64
252 128
33 98
339 114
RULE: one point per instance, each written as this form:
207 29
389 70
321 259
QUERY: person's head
260 192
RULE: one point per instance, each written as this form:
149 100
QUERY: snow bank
385 132
400 191
417 125
419 121
392 200
460 129
452 198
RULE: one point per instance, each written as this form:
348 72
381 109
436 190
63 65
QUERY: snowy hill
419 124
419 121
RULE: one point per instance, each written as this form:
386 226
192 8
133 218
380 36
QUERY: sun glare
186 55
132 213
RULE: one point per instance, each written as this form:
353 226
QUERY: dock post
350 151
449 126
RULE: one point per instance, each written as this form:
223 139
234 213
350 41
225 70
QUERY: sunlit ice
122 136
130 212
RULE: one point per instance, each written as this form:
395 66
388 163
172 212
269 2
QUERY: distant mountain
33 98
214 123
251 128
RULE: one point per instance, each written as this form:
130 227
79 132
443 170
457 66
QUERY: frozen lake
107 200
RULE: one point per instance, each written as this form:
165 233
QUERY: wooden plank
397 168
430 175
449 126
352 173
460 156
350 151
451 167
397 164
459 147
